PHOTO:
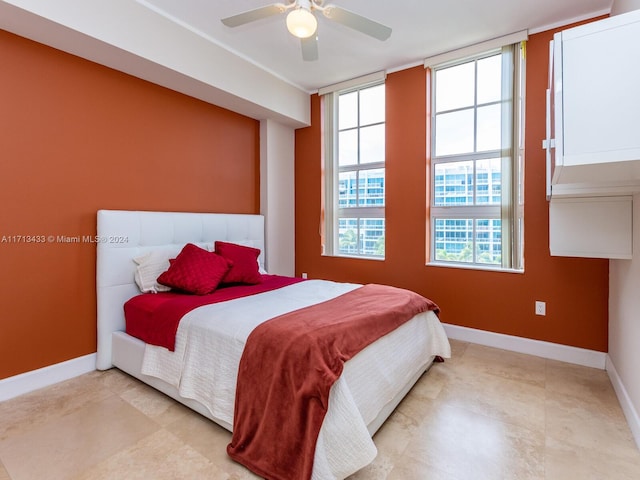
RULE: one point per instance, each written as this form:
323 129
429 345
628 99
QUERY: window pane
371 188
348 148
490 79
372 105
347 190
488 241
453 184
454 239
454 133
348 110
361 236
455 87
372 144
488 182
489 128
348 236
372 236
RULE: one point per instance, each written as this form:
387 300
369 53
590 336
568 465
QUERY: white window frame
510 211
332 212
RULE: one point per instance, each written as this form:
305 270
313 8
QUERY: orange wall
576 290
76 137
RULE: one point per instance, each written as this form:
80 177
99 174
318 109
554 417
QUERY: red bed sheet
154 317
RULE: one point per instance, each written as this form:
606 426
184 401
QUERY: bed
369 388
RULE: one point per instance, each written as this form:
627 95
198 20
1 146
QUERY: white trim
470 50
43 377
405 66
569 21
633 419
539 348
354 82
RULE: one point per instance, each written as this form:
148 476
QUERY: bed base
128 352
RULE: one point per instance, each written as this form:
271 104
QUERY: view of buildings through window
453 186
476 153
475 159
361 172
457 184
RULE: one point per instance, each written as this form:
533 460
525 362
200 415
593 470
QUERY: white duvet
210 341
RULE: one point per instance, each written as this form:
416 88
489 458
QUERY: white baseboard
552 351
43 377
633 419
14 386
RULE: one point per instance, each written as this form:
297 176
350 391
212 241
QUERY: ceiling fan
302 23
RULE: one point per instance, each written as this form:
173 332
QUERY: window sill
484 268
357 257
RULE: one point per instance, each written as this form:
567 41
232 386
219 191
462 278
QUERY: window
354 163
476 160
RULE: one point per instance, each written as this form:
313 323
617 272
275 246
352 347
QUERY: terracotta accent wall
76 137
576 290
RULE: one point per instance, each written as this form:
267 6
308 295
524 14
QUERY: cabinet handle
548 144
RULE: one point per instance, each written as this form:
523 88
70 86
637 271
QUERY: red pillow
244 261
195 270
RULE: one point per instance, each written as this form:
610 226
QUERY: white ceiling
421 28
257 69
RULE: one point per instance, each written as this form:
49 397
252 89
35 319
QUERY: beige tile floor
484 414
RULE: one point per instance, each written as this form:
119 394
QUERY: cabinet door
597 227
601 98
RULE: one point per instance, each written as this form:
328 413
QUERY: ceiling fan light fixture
301 23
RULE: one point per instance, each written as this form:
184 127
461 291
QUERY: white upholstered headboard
124 235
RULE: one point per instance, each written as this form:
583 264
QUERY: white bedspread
210 341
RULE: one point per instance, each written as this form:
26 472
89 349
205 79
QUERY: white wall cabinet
593 137
598 227
596 102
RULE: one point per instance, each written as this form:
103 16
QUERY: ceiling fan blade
253 15
357 22
309 48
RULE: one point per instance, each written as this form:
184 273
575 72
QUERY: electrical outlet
541 308
304 275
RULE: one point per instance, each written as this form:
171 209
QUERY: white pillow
148 269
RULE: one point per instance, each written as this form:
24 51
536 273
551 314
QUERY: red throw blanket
289 365
154 318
